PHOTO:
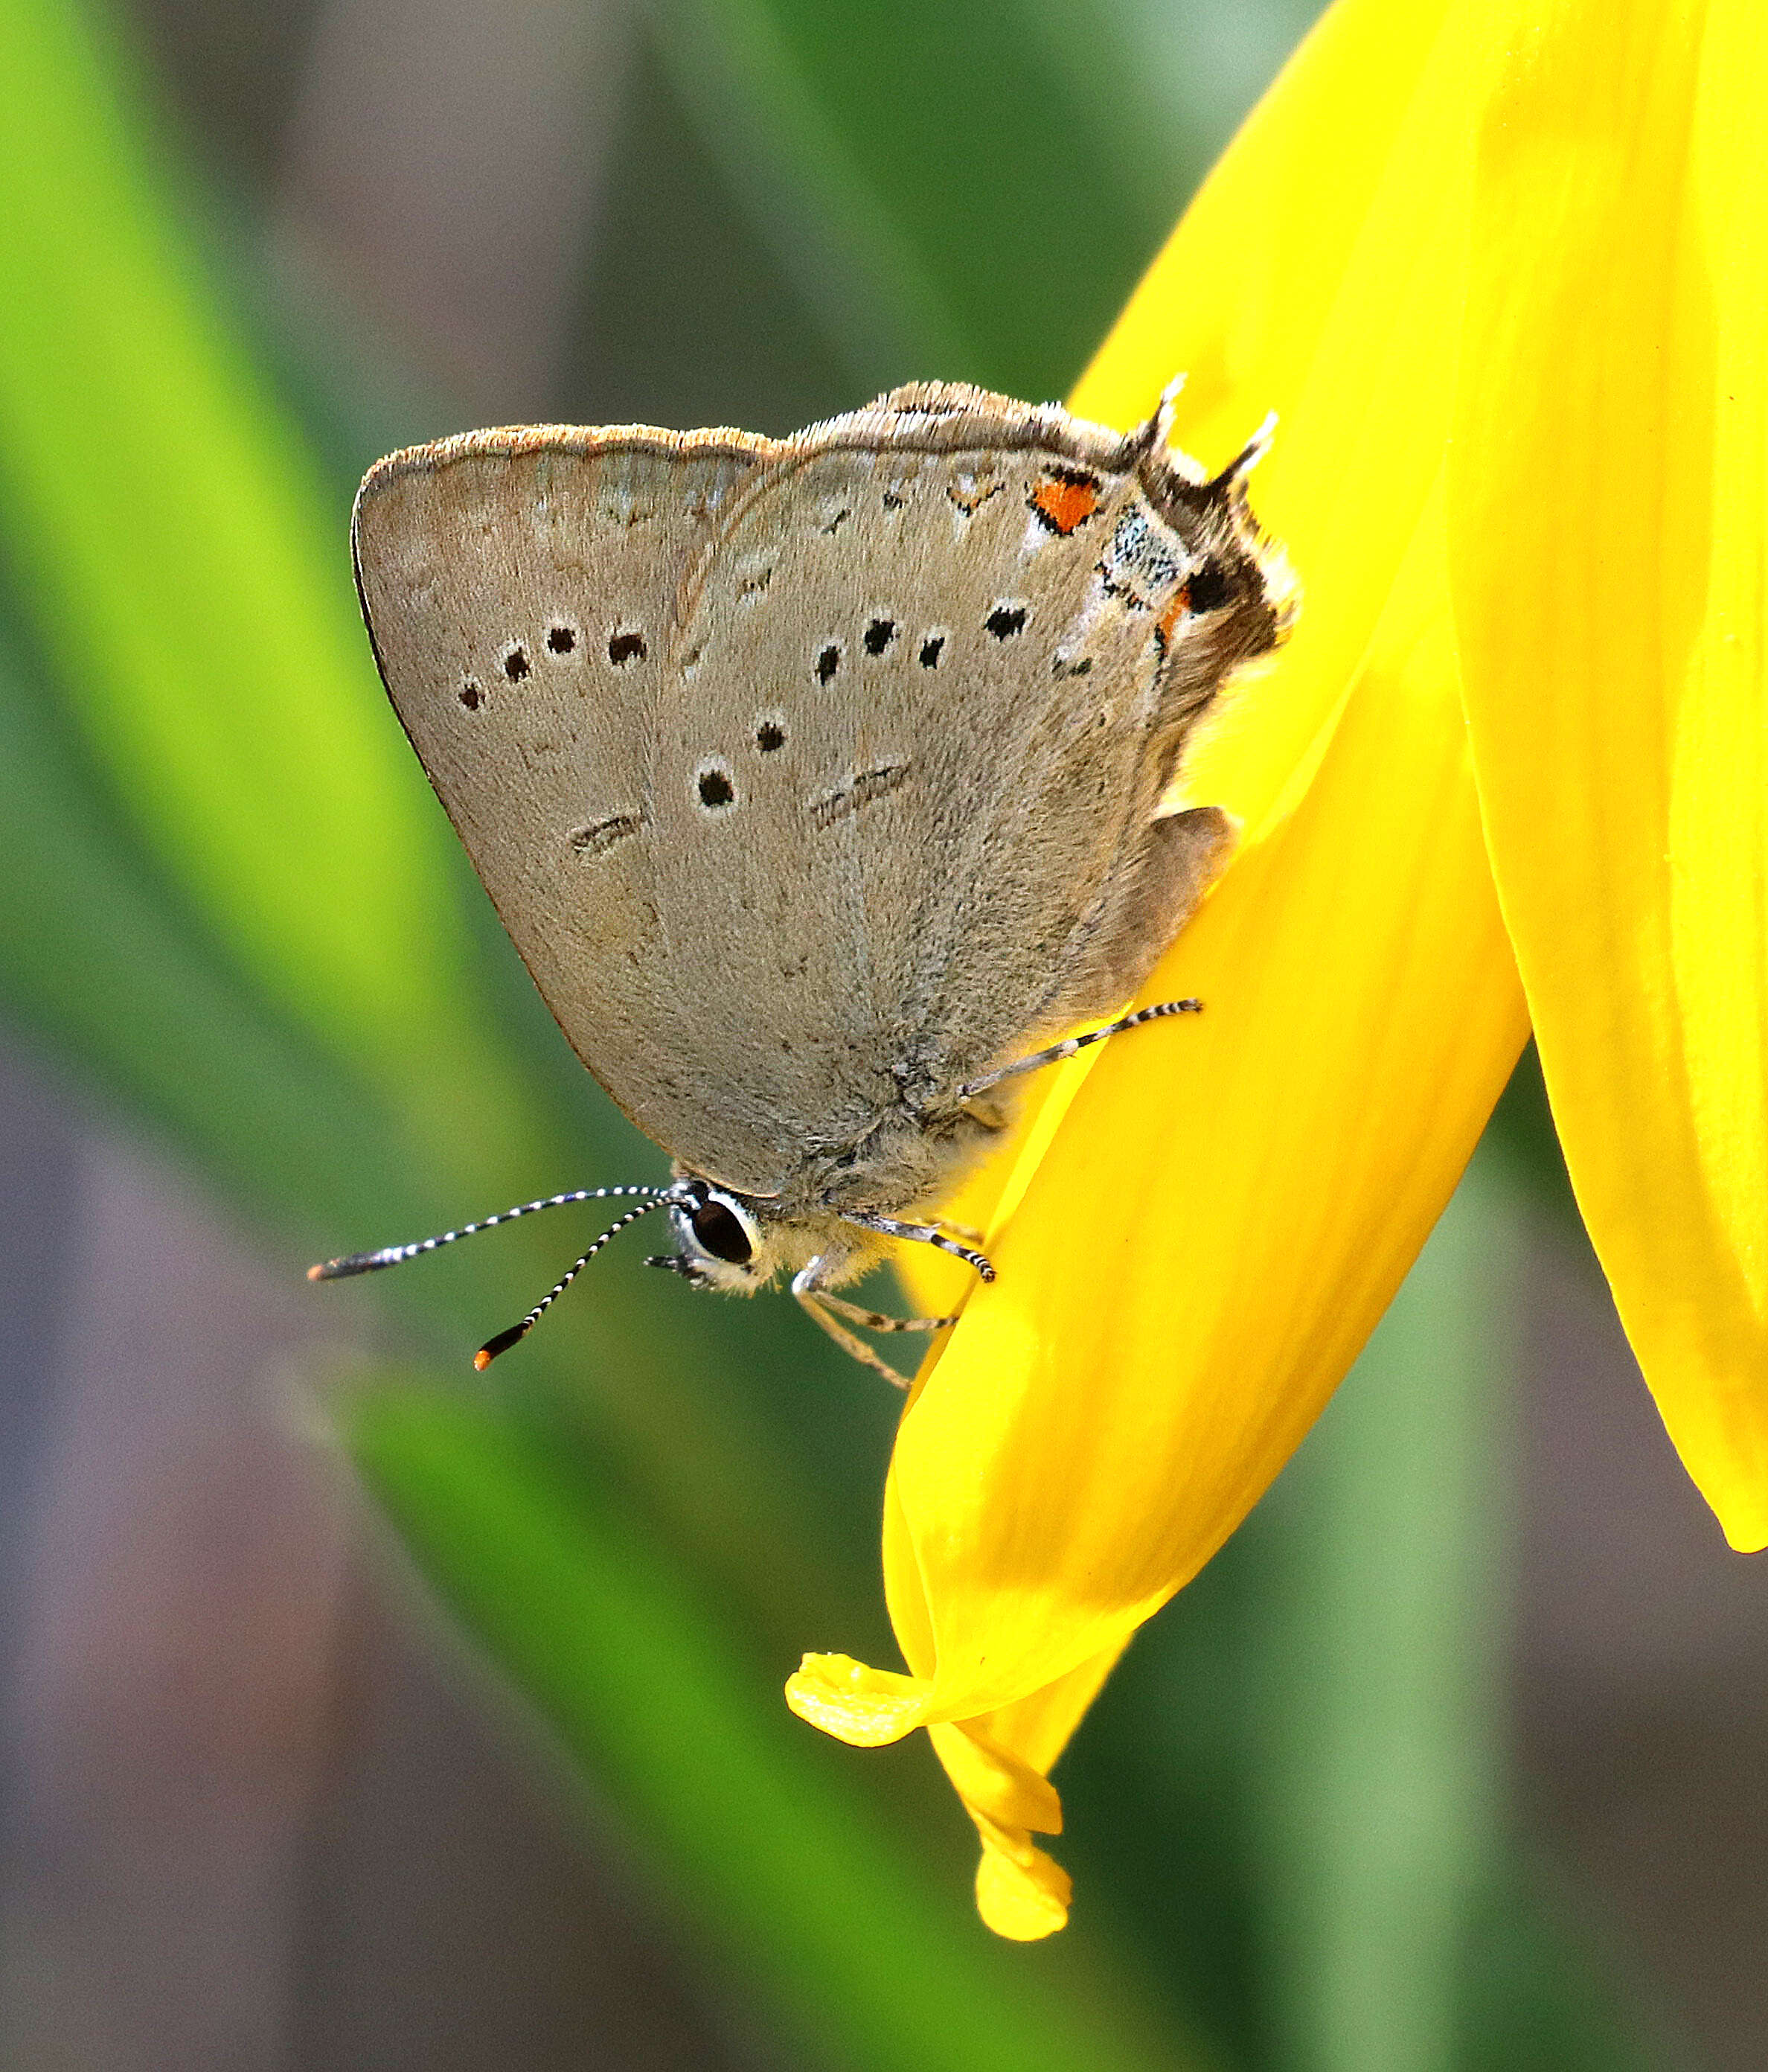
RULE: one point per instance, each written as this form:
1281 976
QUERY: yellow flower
1501 270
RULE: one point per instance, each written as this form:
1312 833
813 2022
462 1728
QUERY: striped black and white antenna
396 1255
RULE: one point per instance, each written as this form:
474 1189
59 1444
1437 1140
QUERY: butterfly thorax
904 1164
911 1157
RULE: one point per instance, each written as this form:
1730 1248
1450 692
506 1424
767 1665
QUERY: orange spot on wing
1175 611
1064 504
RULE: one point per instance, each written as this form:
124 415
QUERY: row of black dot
1003 622
628 646
624 646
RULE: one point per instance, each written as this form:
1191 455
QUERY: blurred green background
1449 1761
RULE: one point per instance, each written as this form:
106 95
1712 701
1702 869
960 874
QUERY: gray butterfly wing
928 690
520 590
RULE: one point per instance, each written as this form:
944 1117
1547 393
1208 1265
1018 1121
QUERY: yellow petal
1213 1233
1319 275
1225 1207
1206 1245
1610 511
1020 1892
866 1707
999 1765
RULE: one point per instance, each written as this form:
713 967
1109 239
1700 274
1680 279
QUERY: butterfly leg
1058 1051
815 1302
829 1310
920 1234
871 1320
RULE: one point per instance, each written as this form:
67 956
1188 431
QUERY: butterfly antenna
396 1255
516 1333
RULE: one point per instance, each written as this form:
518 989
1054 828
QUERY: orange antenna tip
502 1343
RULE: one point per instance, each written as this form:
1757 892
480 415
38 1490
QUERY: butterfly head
724 1244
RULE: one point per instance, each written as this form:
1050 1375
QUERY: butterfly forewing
520 590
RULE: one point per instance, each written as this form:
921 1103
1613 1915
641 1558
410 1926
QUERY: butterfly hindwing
910 763
812 778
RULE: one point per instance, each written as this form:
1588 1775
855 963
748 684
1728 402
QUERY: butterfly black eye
721 1233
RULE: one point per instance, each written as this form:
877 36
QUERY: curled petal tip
1021 1893
865 1707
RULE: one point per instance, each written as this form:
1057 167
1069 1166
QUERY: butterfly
821 783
